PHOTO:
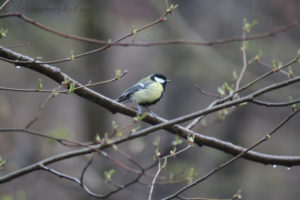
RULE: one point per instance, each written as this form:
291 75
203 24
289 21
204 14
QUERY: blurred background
209 66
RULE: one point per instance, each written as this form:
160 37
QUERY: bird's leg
152 113
140 111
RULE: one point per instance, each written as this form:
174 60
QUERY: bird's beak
168 80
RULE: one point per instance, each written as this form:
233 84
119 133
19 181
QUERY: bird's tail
122 98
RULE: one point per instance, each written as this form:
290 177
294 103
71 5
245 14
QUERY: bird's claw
153 114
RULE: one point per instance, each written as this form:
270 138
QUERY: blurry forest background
185 65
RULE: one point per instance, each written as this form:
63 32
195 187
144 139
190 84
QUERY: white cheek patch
159 80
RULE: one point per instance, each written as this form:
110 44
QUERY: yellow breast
150 95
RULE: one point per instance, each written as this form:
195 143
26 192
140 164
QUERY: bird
145 92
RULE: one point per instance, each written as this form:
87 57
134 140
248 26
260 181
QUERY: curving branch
116 78
148 44
64 142
105 47
273 104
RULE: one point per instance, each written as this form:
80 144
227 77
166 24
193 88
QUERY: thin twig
118 163
237 85
148 44
272 104
66 91
199 198
198 119
85 169
293 61
76 180
135 162
4 4
230 96
106 46
154 180
103 82
70 143
174 154
270 66
42 165
244 53
206 93
18 45
159 168
59 174
41 108
64 142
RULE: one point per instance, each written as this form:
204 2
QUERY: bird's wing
126 94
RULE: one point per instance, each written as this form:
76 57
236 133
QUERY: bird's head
159 78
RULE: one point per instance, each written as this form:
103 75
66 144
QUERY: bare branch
160 167
120 164
148 44
108 45
199 198
230 96
66 91
41 108
154 180
244 52
64 142
85 169
272 104
4 4
206 93
225 164
293 61
37 166
18 45
270 66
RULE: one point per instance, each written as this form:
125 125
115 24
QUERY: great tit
145 92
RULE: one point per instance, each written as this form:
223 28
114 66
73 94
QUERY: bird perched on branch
145 92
